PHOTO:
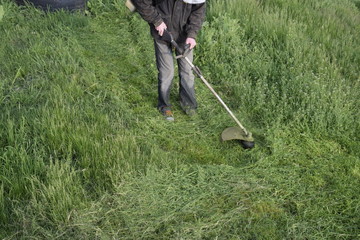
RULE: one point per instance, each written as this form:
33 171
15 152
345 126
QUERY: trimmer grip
167 37
186 50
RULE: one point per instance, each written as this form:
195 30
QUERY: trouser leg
187 83
165 66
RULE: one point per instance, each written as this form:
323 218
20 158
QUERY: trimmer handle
183 52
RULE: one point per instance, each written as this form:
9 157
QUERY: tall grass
297 63
85 154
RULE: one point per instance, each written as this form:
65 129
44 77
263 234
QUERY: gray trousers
165 66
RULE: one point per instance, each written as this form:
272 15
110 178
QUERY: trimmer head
236 133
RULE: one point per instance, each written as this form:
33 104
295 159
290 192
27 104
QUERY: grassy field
85 154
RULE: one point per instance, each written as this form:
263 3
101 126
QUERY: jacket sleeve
148 12
196 19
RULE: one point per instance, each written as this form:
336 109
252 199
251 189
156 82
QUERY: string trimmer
231 133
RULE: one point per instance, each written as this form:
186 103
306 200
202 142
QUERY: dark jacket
182 19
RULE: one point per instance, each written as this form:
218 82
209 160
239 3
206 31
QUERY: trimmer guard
232 133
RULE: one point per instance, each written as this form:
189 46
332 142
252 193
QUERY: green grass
85 154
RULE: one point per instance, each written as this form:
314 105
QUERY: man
183 19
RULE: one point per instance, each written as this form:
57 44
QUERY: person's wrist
158 23
191 35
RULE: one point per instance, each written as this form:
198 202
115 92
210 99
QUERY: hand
191 41
161 28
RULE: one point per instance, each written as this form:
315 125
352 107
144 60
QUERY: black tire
57 4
